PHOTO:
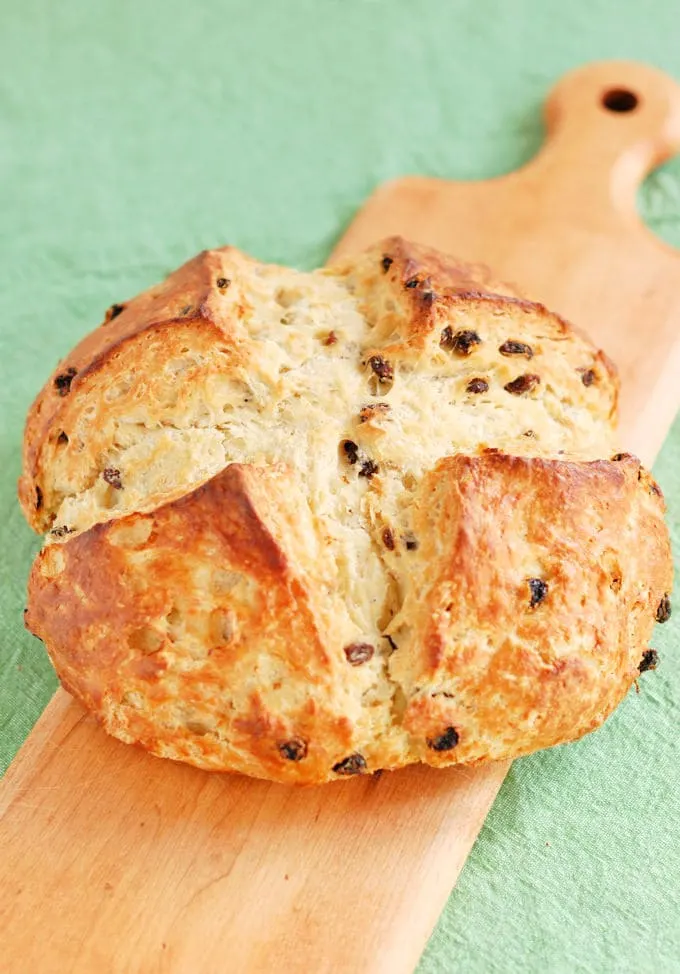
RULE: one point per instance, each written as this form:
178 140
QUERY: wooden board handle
609 124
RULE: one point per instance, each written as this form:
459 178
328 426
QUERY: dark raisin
622 456
358 653
529 433
522 384
354 764
663 612
381 367
331 338
462 342
185 310
477 385
516 348
412 282
410 542
62 438
386 263
112 476
388 539
587 376
368 412
615 583
538 589
293 750
38 498
368 469
351 451
392 643
649 661
61 531
222 283
444 742
113 312
62 382
379 773
446 337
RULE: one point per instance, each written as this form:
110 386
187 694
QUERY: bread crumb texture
307 526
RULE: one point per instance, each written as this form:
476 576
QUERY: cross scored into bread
310 525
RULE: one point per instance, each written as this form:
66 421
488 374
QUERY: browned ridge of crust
541 674
188 295
310 526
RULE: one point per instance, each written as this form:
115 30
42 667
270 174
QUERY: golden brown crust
420 292
429 283
218 650
188 303
530 599
446 274
308 526
229 652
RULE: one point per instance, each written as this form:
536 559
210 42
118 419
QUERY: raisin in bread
311 525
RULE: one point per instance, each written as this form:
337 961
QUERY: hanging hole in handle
620 100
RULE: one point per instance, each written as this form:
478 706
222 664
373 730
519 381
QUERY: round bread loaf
311 525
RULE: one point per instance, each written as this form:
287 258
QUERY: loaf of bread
311 525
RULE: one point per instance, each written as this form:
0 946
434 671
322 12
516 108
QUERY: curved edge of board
121 830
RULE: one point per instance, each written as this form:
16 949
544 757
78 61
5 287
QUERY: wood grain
114 861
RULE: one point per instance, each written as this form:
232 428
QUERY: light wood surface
115 861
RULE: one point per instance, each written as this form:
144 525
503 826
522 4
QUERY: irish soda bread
311 525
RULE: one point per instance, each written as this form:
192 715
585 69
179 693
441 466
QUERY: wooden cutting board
114 861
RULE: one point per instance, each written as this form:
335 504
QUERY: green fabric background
133 134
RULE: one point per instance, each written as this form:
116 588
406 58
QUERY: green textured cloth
133 134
